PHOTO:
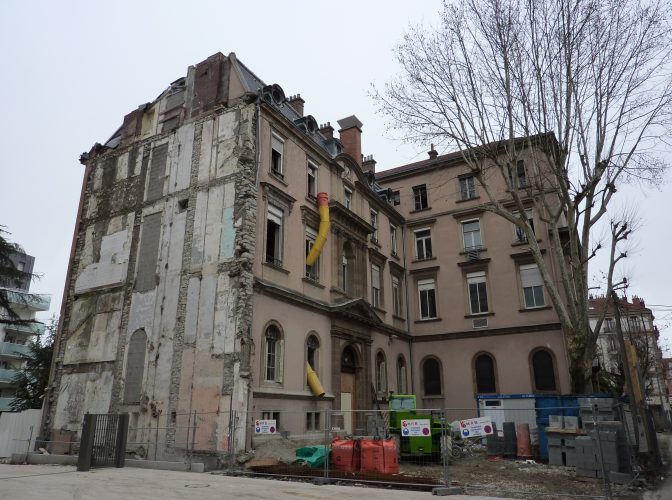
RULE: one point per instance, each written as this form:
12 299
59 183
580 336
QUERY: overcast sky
73 69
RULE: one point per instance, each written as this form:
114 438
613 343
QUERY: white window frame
374 222
393 239
376 296
277 145
423 239
471 233
276 215
427 285
312 173
535 284
476 279
396 296
417 197
467 192
347 197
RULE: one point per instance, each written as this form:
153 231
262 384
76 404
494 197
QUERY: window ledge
420 210
313 282
532 309
375 242
311 199
277 268
394 255
278 177
479 315
428 320
394 316
379 309
468 199
415 261
523 243
478 249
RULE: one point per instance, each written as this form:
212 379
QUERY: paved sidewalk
56 482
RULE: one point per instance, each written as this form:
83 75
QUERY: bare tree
582 87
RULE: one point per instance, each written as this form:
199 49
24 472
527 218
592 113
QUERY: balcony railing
33 301
473 253
35 328
13 350
6 375
4 404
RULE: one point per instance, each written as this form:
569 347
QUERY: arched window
273 354
431 377
402 385
348 360
313 352
135 367
381 372
484 370
543 370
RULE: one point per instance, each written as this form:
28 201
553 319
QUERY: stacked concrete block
561 448
611 450
606 409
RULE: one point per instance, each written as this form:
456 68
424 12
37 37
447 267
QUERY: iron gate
103 441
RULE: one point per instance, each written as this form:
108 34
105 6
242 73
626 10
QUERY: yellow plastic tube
314 382
323 206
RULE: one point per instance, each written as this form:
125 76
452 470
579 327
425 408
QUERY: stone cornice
481 333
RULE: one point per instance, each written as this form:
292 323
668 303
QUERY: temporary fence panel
103 442
18 431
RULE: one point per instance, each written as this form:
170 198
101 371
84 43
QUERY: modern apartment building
189 291
16 333
638 327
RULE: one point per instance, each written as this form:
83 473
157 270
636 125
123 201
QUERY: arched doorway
348 386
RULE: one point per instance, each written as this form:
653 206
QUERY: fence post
446 444
156 435
605 473
30 438
86 443
327 429
193 441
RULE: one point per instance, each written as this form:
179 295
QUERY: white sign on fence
410 428
265 427
476 427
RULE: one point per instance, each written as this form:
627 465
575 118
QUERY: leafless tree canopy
587 82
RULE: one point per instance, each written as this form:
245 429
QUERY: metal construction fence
425 448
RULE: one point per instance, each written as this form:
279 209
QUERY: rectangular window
374 223
312 272
608 325
313 421
533 286
635 324
277 148
478 294
521 237
517 177
423 244
274 236
396 198
348 198
271 415
396 296
312 180
467 187
427 298
393 239
271 359
420 197
471 232
375 285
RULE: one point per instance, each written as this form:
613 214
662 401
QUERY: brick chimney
369 164
297 103
351 137
327 130
433 153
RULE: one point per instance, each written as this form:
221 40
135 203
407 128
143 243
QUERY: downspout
408 312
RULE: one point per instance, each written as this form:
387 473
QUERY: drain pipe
408 314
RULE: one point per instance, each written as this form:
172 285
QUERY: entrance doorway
348 387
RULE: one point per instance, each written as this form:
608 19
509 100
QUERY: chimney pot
296 102
327 130
433 153
369 164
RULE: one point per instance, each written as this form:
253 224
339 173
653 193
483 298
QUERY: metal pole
30 438
445 448
193 441
156 441
605 473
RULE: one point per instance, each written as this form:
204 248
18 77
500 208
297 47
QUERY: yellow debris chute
314 382
323 206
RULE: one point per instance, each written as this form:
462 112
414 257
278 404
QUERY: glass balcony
13 350
6 375
33 301
4 404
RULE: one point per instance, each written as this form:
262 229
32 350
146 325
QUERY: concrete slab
36 482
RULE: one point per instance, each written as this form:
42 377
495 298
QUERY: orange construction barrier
345 454
380 455
523 437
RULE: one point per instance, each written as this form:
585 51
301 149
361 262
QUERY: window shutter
530 276
275 215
